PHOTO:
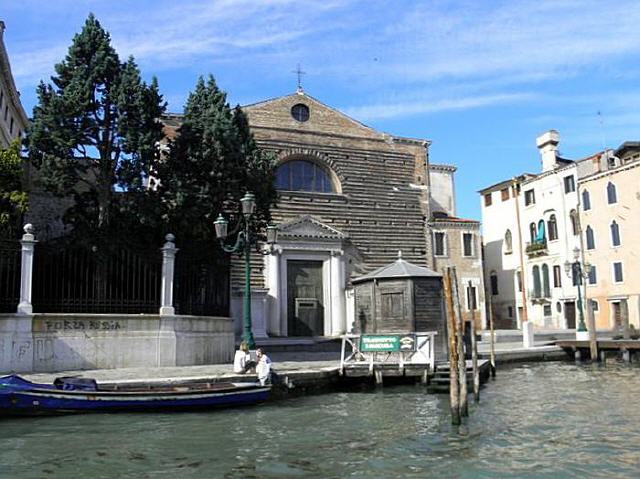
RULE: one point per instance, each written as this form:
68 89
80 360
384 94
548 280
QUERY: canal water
535 420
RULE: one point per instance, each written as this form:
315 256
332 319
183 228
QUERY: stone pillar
26 273
272 281
169 251
337 284
527 334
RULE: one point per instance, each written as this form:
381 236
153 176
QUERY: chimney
547 143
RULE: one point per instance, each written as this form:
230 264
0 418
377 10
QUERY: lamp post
243 244
577 270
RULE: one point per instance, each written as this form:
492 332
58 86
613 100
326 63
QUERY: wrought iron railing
201 284
79 279
10 259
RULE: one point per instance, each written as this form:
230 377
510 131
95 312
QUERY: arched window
540 238
586 201
532 232
552 226
303 175
575 226
612 197
537 290
545 281
508 242
615 233
591 242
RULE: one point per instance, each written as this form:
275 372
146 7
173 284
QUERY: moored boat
78 395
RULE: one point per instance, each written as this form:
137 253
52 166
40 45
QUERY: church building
349 199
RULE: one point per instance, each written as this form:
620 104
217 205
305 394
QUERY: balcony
537 248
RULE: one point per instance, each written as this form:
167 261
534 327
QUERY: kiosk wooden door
305 311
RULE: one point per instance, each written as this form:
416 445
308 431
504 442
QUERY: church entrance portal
305 309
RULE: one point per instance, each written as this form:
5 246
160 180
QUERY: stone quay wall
57 342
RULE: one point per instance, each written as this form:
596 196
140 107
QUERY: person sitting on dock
242 362
263 368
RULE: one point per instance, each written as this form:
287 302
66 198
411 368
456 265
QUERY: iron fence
10 264
80 279
201 284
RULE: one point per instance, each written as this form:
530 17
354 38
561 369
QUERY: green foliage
13 200
212 163
95 135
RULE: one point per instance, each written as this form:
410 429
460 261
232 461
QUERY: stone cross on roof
298 71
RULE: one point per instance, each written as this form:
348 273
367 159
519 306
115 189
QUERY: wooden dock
625 349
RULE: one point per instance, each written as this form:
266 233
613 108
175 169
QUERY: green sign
387 343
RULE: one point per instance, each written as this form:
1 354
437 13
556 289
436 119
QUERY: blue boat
80 395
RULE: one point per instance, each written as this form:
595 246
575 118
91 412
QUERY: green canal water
535 420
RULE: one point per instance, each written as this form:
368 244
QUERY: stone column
337 282
26 272
272 281
168 262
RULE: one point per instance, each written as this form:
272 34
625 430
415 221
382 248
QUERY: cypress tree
95 133
212 163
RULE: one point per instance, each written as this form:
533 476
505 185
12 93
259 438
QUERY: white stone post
168 268
26 272
272 281
527 334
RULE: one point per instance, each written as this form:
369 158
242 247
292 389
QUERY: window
552 225
612 197
467 244
6 112
537 288
300 112
532 232
569 184
303 175
545 281
558 307
540 237
1 98
615 233
508 242
547 310
439 240
494 283
586 201
591 243
529 198
504 193
472 300
594 305
575 225
557 277
593 276
510 311
392 305
487 199
519 280
11 127
617 272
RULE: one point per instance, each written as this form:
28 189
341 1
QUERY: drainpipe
516 193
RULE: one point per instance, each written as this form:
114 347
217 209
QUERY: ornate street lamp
243 244
577 270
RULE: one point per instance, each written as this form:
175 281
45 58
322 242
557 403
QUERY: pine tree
212 163
13 199
95 133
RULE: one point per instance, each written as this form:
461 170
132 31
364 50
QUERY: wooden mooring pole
474 354
454 390
462 362
492 340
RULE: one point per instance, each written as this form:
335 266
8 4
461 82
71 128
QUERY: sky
480 79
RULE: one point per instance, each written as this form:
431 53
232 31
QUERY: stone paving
285 363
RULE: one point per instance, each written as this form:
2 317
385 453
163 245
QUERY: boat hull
38 401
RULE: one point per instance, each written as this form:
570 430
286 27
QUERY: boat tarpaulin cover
73 383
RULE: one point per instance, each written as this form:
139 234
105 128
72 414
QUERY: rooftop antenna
601 121
299 72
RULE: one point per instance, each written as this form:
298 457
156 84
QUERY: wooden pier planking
581 349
